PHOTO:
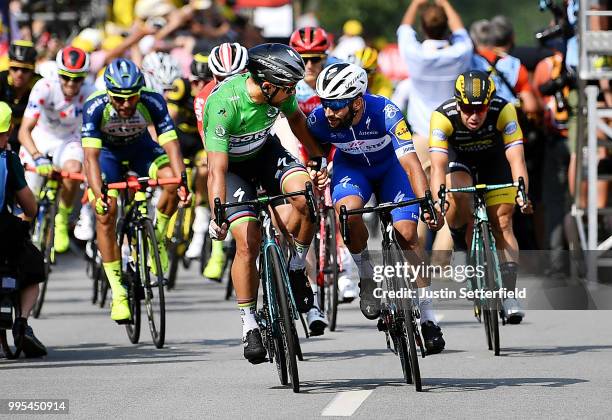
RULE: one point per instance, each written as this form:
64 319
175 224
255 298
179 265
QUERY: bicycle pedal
124 321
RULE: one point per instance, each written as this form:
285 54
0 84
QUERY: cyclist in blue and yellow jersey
476 135
115 125
378 84
374 155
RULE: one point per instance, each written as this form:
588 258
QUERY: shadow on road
476 384
552 351
339 385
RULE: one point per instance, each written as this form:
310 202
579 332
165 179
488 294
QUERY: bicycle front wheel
286 324
130 280
10 347
46 232
330 270
154 300
492 305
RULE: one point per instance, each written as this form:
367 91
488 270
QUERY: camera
561 28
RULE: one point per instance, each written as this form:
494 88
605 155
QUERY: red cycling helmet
72 61
310 40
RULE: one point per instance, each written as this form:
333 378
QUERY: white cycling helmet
341 81
163 67
228 59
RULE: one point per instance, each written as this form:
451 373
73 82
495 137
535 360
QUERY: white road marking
346 403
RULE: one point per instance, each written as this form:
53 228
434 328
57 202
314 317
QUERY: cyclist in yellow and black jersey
378 83
475 137
180 108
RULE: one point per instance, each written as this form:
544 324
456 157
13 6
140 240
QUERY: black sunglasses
74 79
314 60
21 69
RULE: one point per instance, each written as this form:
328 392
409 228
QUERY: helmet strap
268 96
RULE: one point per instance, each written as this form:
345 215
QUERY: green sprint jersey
236 125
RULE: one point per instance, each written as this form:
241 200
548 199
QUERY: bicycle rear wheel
46 232
492 306
286 321
154 299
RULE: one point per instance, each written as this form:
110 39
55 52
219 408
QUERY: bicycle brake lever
219 216
344 229
310 200
520 192
442 197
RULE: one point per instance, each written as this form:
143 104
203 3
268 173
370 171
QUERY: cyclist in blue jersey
375 154
115 130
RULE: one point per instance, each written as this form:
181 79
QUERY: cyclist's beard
347 121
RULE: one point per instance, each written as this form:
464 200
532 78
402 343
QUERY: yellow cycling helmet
474 87
366 58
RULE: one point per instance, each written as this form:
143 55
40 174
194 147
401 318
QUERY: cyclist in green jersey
243 154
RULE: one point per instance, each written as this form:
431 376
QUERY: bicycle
483 253
10 310
326 251
398 317
278 314
180 232
43 233
136 238
95 271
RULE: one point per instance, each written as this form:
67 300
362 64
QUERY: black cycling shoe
254 350
369 305
302 292
32 347
432 334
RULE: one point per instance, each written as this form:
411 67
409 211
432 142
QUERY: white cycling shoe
85 227
317 321
347 289
514 313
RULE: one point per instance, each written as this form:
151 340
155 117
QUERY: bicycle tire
274 342
103 285
205 254
414 357
173 243
391 257
286 324
156 326
129 280
493 305
331 262
47 251
11 348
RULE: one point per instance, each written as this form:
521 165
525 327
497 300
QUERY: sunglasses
473 109
289 90
335 104
316 59
123 98
66 78
20 69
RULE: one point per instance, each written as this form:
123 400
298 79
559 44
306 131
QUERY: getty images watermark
459 273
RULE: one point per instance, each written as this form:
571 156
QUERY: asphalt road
557 364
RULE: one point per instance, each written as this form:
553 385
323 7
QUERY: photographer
19 251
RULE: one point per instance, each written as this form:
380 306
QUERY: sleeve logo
219 131
402 132
390 111
439 134
510 128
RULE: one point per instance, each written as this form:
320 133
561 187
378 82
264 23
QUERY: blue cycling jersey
102 125
367 155
381 132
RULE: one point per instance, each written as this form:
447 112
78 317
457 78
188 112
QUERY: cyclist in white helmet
163 68
51 126
225 60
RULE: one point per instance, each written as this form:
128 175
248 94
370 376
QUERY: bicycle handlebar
426 203
481 188
264 200
77 176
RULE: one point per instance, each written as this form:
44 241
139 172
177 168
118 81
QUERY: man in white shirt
434 65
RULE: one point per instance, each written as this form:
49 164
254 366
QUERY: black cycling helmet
278 64
474 87
22 54
199 67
